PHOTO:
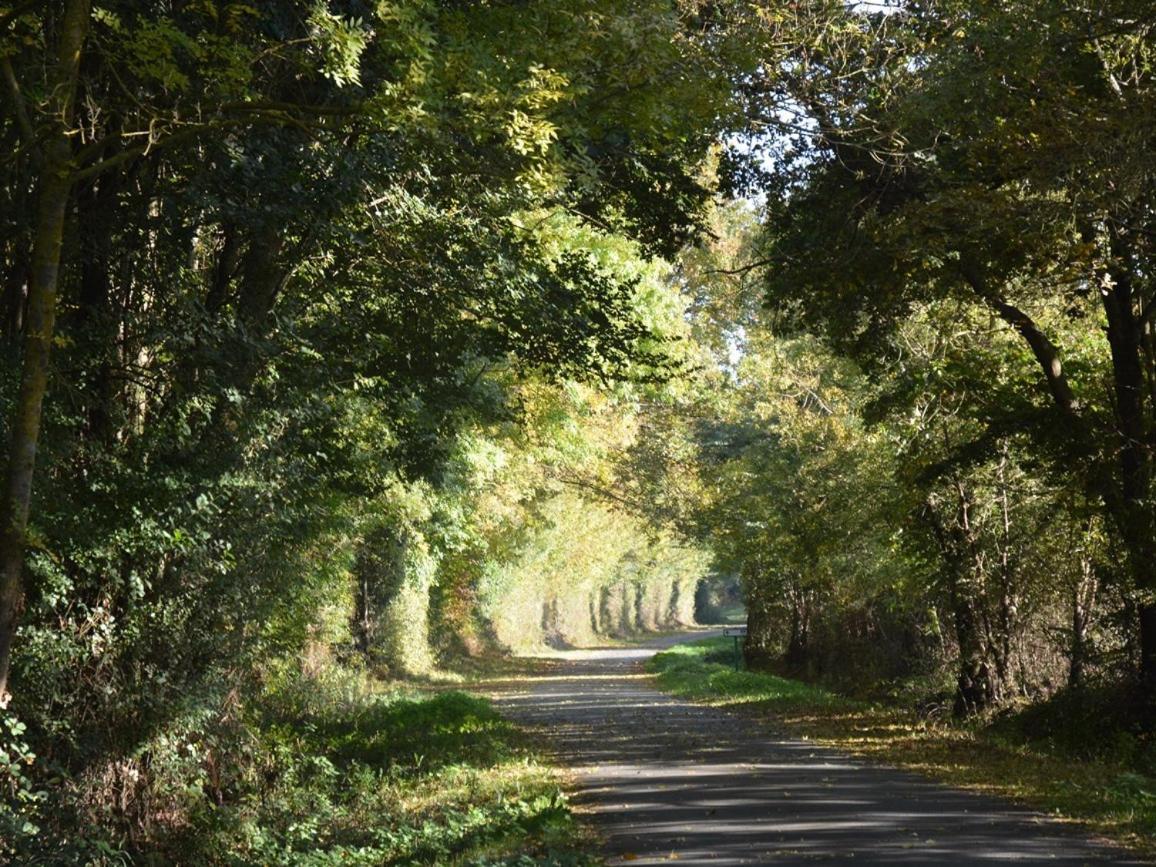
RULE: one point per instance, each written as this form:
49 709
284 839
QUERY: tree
989 156
55 157
250 151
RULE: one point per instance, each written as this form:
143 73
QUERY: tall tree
52 151
991 155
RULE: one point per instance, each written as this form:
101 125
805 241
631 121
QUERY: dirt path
667 781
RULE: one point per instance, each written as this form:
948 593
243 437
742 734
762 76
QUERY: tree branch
189 133
27 131
1042 348
762 263
599 490
292 108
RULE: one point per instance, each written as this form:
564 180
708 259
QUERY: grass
731 614
1020 756
386 778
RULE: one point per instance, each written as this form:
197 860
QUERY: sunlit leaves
339 42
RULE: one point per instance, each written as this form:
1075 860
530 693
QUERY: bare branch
762 263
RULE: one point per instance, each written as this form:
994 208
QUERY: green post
735 633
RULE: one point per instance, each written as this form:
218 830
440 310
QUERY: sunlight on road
666 780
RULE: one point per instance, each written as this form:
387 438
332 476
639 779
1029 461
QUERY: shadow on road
668 781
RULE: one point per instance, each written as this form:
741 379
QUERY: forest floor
662 779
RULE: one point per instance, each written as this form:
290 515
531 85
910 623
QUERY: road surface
666 781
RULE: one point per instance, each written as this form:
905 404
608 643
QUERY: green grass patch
1082 766
731 614
704 671
386 778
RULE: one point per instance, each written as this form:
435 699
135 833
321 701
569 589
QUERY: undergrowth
319 773
1086 767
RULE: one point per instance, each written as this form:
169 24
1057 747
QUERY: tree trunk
1005 627
1132 511
94 321
362 624
1083 599
262 278
1147 611
975 682
224 269
48 239
797 655
1078 651
758 646
976 686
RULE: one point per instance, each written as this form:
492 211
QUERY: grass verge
996 757
385 778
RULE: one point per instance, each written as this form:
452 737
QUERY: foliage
394 334
21 804
332 772
931 159
349 294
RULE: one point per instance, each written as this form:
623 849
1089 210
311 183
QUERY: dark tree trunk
224 269
758 649
376 573
51 211
976 682
95 320
1078 652
262 277
1083 603
1079 648
797 655
1147 612
977 686
363 624
1132 511
1000 643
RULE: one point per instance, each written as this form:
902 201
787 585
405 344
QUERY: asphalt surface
666 781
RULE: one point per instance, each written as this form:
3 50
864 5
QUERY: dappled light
358 358
667 780
662 777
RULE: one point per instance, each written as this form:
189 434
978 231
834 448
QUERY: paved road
666 781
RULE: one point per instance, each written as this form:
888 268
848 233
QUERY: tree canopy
374 337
